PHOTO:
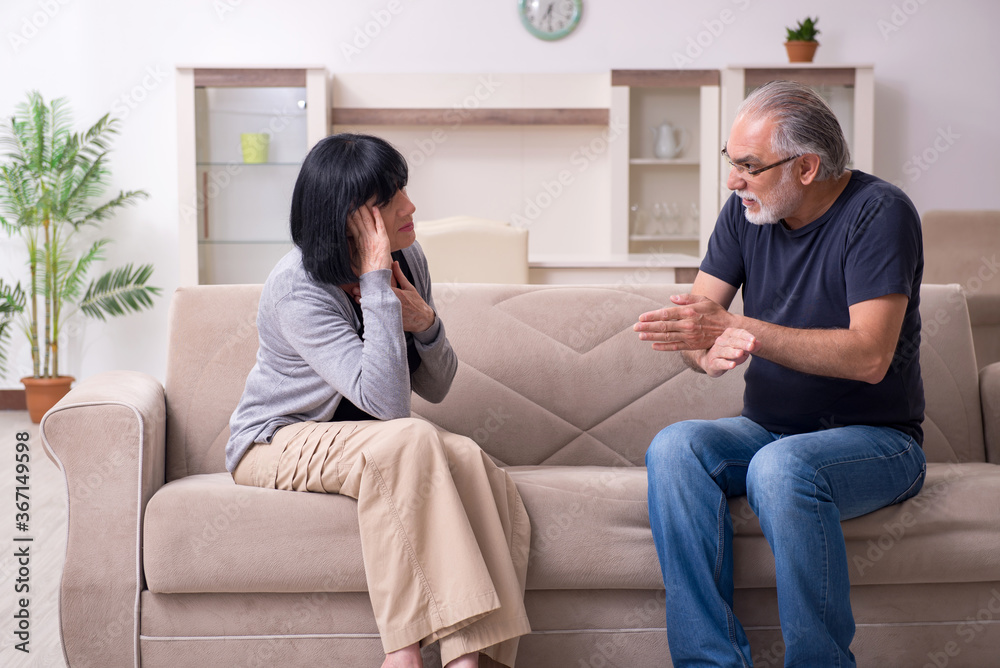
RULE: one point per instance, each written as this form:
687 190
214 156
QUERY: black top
867 245
347 411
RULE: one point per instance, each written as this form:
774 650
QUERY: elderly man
829 261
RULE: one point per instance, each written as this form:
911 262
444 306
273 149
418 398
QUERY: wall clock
550 19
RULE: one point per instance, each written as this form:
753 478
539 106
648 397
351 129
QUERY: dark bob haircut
340 174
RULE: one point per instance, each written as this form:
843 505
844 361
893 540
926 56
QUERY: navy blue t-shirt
867 245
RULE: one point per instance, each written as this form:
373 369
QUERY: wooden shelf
371 116
664 78
622 261
244 242
811 76
246 77
663 162
663 237
240 163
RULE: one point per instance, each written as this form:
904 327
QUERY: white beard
784 199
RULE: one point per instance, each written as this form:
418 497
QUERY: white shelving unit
675 200
566 155
849 89
234 215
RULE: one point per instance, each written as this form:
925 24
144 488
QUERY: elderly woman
347 328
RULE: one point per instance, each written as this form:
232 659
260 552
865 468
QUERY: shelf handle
204 200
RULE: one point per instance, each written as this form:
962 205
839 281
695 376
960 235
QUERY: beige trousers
444 534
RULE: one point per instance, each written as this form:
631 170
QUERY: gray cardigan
310 354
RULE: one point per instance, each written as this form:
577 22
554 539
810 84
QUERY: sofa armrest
107 436
989 391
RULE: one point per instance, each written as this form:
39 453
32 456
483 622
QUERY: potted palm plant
801 41
51 183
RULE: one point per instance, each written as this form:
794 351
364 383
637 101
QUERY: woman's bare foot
408 657
465 661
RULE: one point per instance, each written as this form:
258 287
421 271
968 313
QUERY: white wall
937 67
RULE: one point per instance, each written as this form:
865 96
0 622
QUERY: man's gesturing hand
730 350
694 324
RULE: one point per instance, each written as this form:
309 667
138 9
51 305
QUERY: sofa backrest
547 374
212 347
555 374
962 247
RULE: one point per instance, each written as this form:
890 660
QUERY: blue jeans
800 486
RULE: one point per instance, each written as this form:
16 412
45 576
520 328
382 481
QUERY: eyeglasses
747 170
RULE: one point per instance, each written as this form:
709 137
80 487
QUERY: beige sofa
964 247
169 563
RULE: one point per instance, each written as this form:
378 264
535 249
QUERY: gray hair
803 123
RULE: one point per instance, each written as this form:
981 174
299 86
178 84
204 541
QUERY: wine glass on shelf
694 220
672 215
638 221
659 214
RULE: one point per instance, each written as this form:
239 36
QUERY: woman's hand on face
370 248
417 315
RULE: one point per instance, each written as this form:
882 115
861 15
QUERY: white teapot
667 145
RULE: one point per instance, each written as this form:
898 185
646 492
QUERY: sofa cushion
589 529
946 533
205 533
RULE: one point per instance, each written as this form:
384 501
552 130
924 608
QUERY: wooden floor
47 528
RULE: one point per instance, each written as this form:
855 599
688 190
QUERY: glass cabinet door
251 131
251 142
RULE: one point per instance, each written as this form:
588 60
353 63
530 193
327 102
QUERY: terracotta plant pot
41 394
801 52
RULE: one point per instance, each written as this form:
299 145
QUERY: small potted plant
49 179
801 43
